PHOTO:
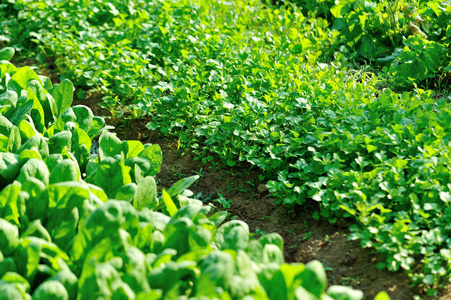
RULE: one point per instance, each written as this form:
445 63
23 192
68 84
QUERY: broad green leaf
9 167
154 154
9 203
80 146
62 225
19 81
51 289
114 217
177 235
109 145
64 118
102 280
36 256
9 237
9 98
66 170
144 164
217 269
111 175
84 117
63 95
34 168
6 68
126 192
11 291
58 141
314 278
170 206
302 294
137 269
13 281
233 235
15 141
37 143
21 112
4 143
146 193
98 125
36 229
69 280
27 129
26 155
132 148
52 160
199 238
5 126
64 193
46 82
36 205
98 192
272 254
37 112
181 185
158 220
272 238
218 218
7 265
7 53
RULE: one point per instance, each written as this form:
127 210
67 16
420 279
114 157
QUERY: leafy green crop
410 36
74 225
247 81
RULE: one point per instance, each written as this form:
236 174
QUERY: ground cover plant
280 89
75 224
410 38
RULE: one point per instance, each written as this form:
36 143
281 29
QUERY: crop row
279 88
75 224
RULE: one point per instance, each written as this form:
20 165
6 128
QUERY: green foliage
247 81
419 60
410 36
70 230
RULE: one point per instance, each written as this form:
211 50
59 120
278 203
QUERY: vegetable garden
341 104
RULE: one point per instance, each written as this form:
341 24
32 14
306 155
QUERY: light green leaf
132 148
111 175
181 185
63 94
19 81
109 145
9 203
146 193
9 237
66 170
233 235
170 206
344 292
126 192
